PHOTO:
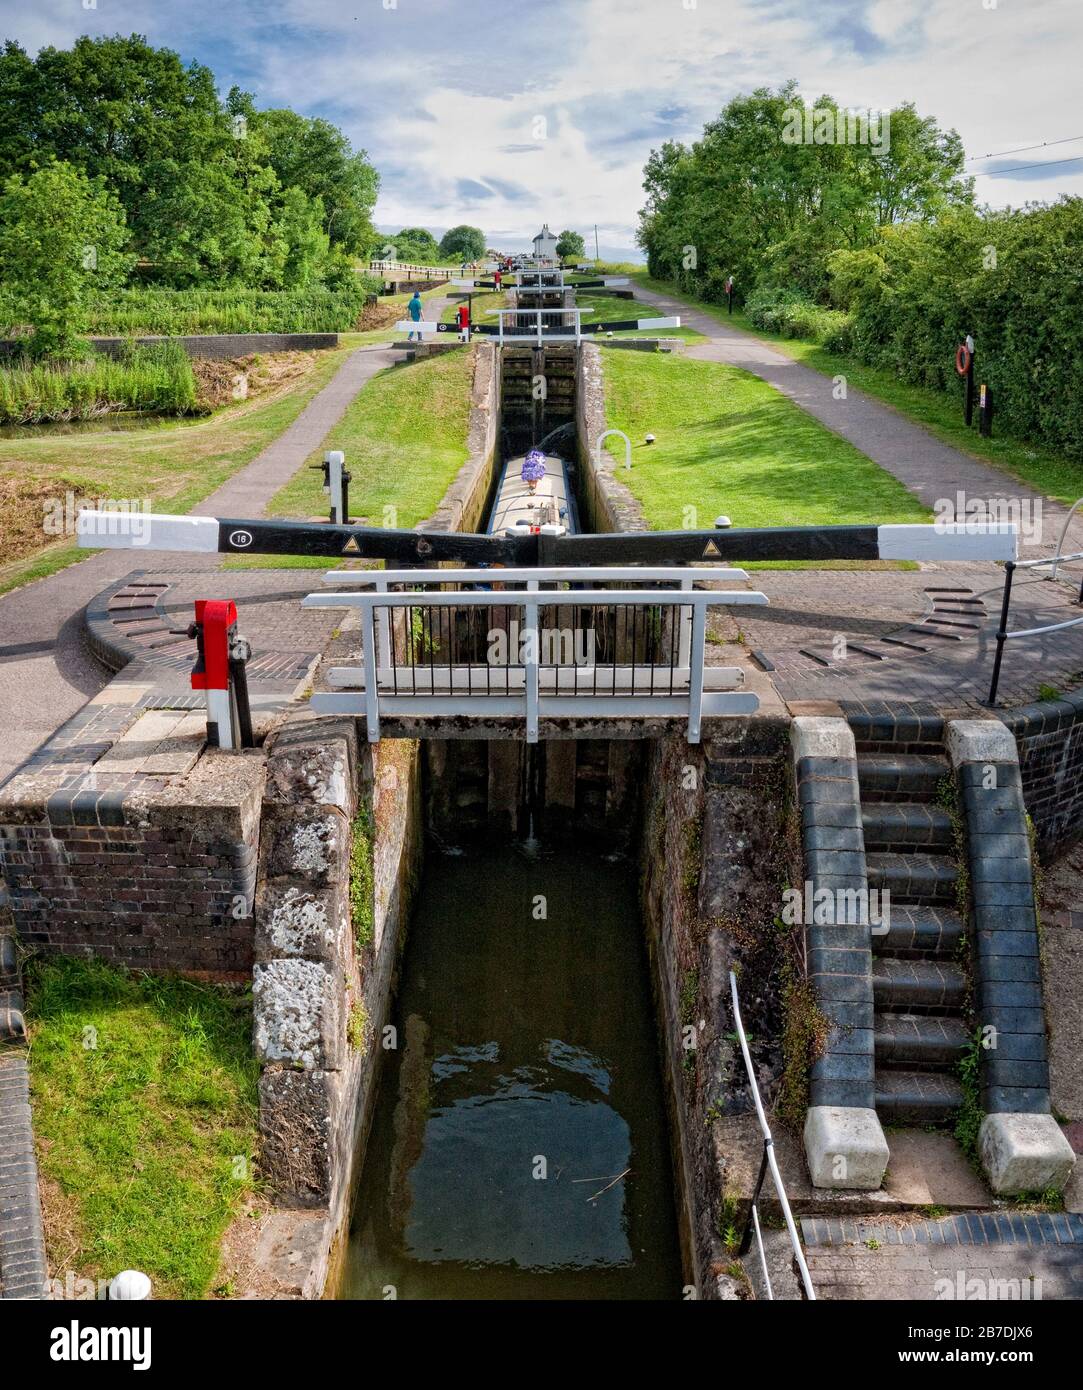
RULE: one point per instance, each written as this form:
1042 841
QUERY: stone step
919 1040
917 1097
920 931
894 826
913 878
901 776
917 984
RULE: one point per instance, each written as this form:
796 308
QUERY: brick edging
839 954
1007 970
23 1269
103 638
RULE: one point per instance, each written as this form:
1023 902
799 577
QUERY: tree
414 245
110 107
62 238
315 156
203 182
775 184
463 243
300 228
570 244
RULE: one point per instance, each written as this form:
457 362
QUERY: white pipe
769 1143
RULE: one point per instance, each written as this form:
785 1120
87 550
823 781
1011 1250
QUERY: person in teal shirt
413 309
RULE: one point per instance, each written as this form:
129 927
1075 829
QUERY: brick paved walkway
1002 1255
909 635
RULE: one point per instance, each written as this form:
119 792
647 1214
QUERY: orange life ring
962 359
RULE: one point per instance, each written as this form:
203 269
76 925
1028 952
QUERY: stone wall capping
1024 1153
980 741
819 736
845 1147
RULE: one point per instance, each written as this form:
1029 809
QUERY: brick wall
151 875
1049 737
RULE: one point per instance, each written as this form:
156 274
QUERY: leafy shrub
1012 279
313 309
157 378
789 312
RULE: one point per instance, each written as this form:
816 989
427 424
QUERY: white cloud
438 92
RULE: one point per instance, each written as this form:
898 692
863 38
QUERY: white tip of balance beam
957 540
416 325
674 322
98 530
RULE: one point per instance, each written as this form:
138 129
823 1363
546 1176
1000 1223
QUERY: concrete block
305 843
314 771
845 1147
980 741
1024 1153
815 736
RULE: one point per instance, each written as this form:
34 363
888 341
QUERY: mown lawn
941 414
172 466
144 1096
727 443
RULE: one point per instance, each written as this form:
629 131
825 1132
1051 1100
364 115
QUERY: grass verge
171 467
404 437
144 1094
727 442
935 411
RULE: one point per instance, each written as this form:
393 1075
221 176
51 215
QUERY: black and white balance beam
967 541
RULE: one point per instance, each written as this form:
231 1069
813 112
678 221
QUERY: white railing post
695 672
769 1154
685 619
368 657
384 623
530 663
539 328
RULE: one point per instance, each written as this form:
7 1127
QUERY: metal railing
767 1162
522 323
431 272
1002 634
480 650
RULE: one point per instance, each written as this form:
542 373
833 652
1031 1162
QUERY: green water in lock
524 1047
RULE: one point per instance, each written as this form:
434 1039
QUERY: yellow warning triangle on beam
712 552
351 547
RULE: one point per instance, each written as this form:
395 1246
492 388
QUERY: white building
545 244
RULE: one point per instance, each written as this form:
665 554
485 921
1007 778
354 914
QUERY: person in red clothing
463 316
496 278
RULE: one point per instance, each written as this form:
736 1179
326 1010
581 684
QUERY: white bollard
130 1284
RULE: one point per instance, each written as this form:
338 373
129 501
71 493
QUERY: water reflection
519 1146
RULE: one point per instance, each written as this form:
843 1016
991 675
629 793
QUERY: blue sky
505 114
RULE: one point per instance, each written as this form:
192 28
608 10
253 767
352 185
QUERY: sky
506 114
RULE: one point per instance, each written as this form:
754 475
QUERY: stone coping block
845 1147
816 736
1024 1153
295 921
299 1010
980 741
